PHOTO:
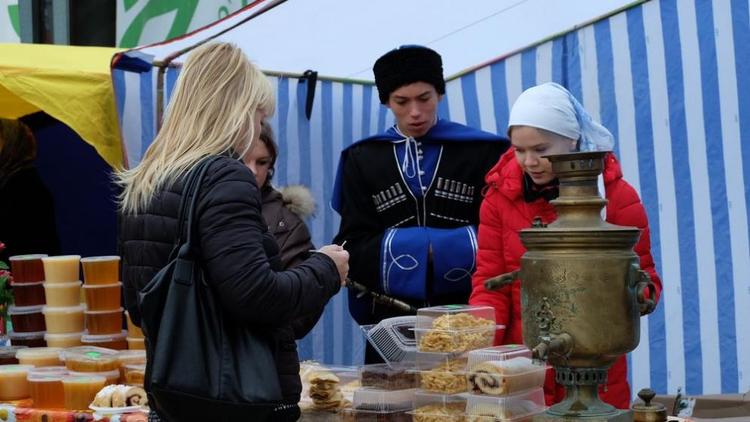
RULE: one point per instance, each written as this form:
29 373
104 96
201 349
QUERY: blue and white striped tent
669 78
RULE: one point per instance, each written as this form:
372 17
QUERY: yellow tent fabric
71 84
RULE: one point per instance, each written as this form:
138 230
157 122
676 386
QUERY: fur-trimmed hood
296 198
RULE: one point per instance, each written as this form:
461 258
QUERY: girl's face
530 145
258 160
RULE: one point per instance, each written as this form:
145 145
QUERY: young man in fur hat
409 198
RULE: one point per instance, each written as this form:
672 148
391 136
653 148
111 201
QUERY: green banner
142 22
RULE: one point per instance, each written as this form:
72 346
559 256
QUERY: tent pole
160 93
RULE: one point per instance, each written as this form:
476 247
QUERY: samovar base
618 416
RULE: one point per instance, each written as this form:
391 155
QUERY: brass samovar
582 291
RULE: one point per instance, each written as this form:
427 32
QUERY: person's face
415 107
258 160
530 145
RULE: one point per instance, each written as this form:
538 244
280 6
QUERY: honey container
59 269
63 295
63 340
64 320
101 269
110 341
39 356
102 297
46 388
104 322
13 382
80 390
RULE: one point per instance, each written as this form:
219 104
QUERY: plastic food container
13 382
134 374
455 328
136 343
516 407
28 294
63 340
64 320
130 357
63 295
438 407
503 370
39 356
79 391
58 269
8 354
443 373
101 269
104 322
395 376
111 377
26 319
109 341
381 405
91 359
102 297
27 339
46 388
27 268
133 330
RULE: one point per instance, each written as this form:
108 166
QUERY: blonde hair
211 112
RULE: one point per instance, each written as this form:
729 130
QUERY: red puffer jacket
504 213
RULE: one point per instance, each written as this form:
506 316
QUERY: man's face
415 108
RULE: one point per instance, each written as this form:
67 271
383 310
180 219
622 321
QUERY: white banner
9 26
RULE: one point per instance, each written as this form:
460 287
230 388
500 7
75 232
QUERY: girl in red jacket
547 120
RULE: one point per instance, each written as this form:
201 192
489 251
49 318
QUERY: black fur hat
406 65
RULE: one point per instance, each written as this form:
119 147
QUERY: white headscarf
551 107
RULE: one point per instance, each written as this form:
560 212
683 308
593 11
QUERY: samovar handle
646 304
497 282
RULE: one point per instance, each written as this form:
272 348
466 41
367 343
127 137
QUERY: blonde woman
216 109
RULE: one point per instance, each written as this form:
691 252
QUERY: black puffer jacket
240 261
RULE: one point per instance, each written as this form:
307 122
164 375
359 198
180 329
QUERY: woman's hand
340 257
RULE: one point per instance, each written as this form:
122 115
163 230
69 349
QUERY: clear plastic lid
15 369
502 377
63 285
63 310
131 356
455 317
443 373
100 313
24 310
47 373
504 352
28 257
100 258
439 407
26 336
24 285
455 328
101 286
84 379
375 400
393 376
61 258
62 336
90 359
8 352
505 409
39 352
113 374
103 338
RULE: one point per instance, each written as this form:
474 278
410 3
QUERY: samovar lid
647 411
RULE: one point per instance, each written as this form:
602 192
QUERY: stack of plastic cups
26 314
62 288
103 291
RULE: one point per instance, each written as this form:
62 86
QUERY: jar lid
100 258
62 285
38 352
101 286
32 284
47 373
24 310
63 309
15 369
10 351
27 257
26 336
83 378
91 338
89 353
61 258
61 336
114 311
